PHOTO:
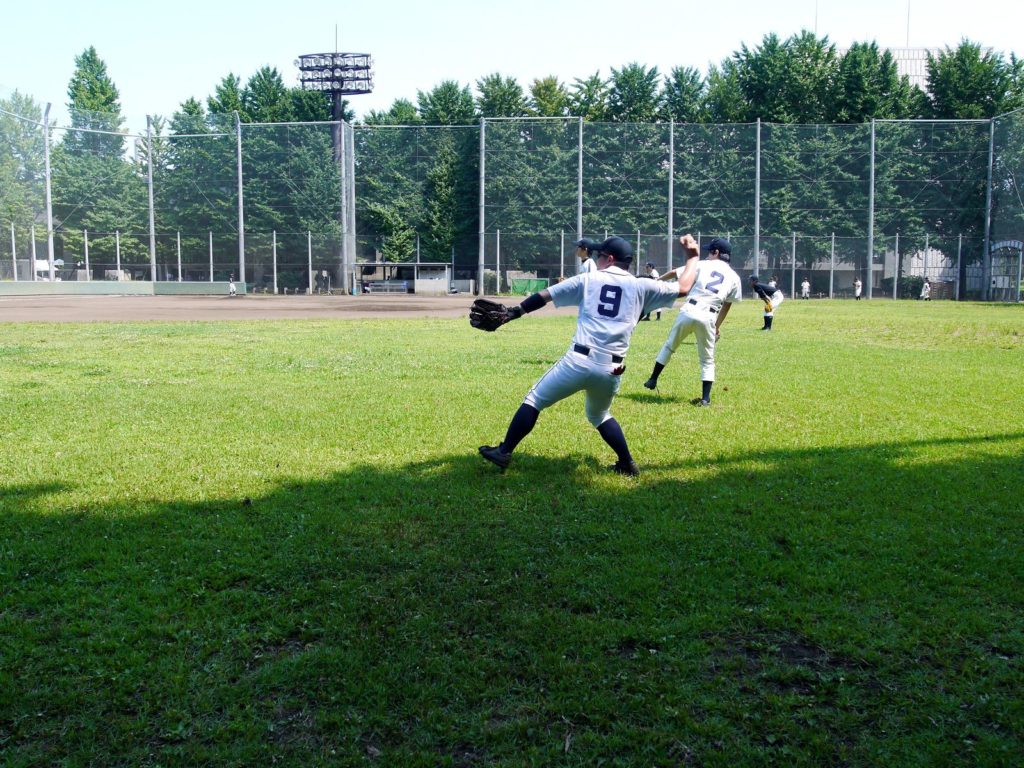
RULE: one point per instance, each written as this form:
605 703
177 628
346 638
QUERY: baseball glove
489 315
768 307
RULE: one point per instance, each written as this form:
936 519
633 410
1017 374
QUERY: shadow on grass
854 605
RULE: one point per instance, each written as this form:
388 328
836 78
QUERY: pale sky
160 54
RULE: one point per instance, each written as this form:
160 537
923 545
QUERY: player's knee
597 417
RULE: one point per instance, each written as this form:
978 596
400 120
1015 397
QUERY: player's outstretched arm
688 276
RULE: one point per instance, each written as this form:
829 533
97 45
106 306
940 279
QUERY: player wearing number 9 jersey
611 302
715 287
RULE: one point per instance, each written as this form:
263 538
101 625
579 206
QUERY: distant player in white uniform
651 272
585 250
805 289
715 288
610 302
857 289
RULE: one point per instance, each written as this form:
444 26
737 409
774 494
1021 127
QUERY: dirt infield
80 309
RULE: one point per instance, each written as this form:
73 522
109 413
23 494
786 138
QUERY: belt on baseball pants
594 353
694 302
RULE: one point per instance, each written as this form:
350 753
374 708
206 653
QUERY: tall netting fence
1007 227
100 199
318 207
930 184
195 199
22 186
293 207
417 200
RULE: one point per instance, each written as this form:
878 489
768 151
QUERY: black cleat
495 455
629 470
651 383
700 403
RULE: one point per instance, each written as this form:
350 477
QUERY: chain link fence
327 206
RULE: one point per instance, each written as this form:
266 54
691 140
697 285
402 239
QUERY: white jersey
610 303
587 265
716 284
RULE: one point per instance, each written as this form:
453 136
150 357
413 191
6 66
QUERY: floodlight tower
340 75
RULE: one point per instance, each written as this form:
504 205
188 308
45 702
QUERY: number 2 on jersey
719 279
610 298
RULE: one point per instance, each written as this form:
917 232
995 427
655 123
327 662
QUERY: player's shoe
700 402
629 470
495 455
651 383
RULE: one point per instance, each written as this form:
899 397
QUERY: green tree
22 171
724 102
401 112
791 81
588 98
871 87
682 97
500 97
548 97
94 107
968 82
265 98
633 95
227 96
447 104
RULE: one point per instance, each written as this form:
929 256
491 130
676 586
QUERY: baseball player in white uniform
771 295
610 302
715 287
585 250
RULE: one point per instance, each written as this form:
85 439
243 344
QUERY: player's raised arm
688 275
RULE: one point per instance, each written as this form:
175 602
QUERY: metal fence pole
1020 264
117 252
636 261
987 255
896 269
274 250
309 260
757 196
49 196
483 201
211 256
149 184
671 191
241 202
32 250
561 254
959 251
871 213
14 253
792 270
832 269
497 260
925 258
85 244
178 238
579 182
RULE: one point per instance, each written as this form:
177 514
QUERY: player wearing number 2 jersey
611 302
715 287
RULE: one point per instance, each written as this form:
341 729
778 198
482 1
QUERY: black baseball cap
587 243
719 244
722 246
649 264
617 247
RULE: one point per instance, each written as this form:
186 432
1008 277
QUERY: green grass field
273 542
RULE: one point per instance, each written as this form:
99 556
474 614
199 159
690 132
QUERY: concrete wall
114 288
